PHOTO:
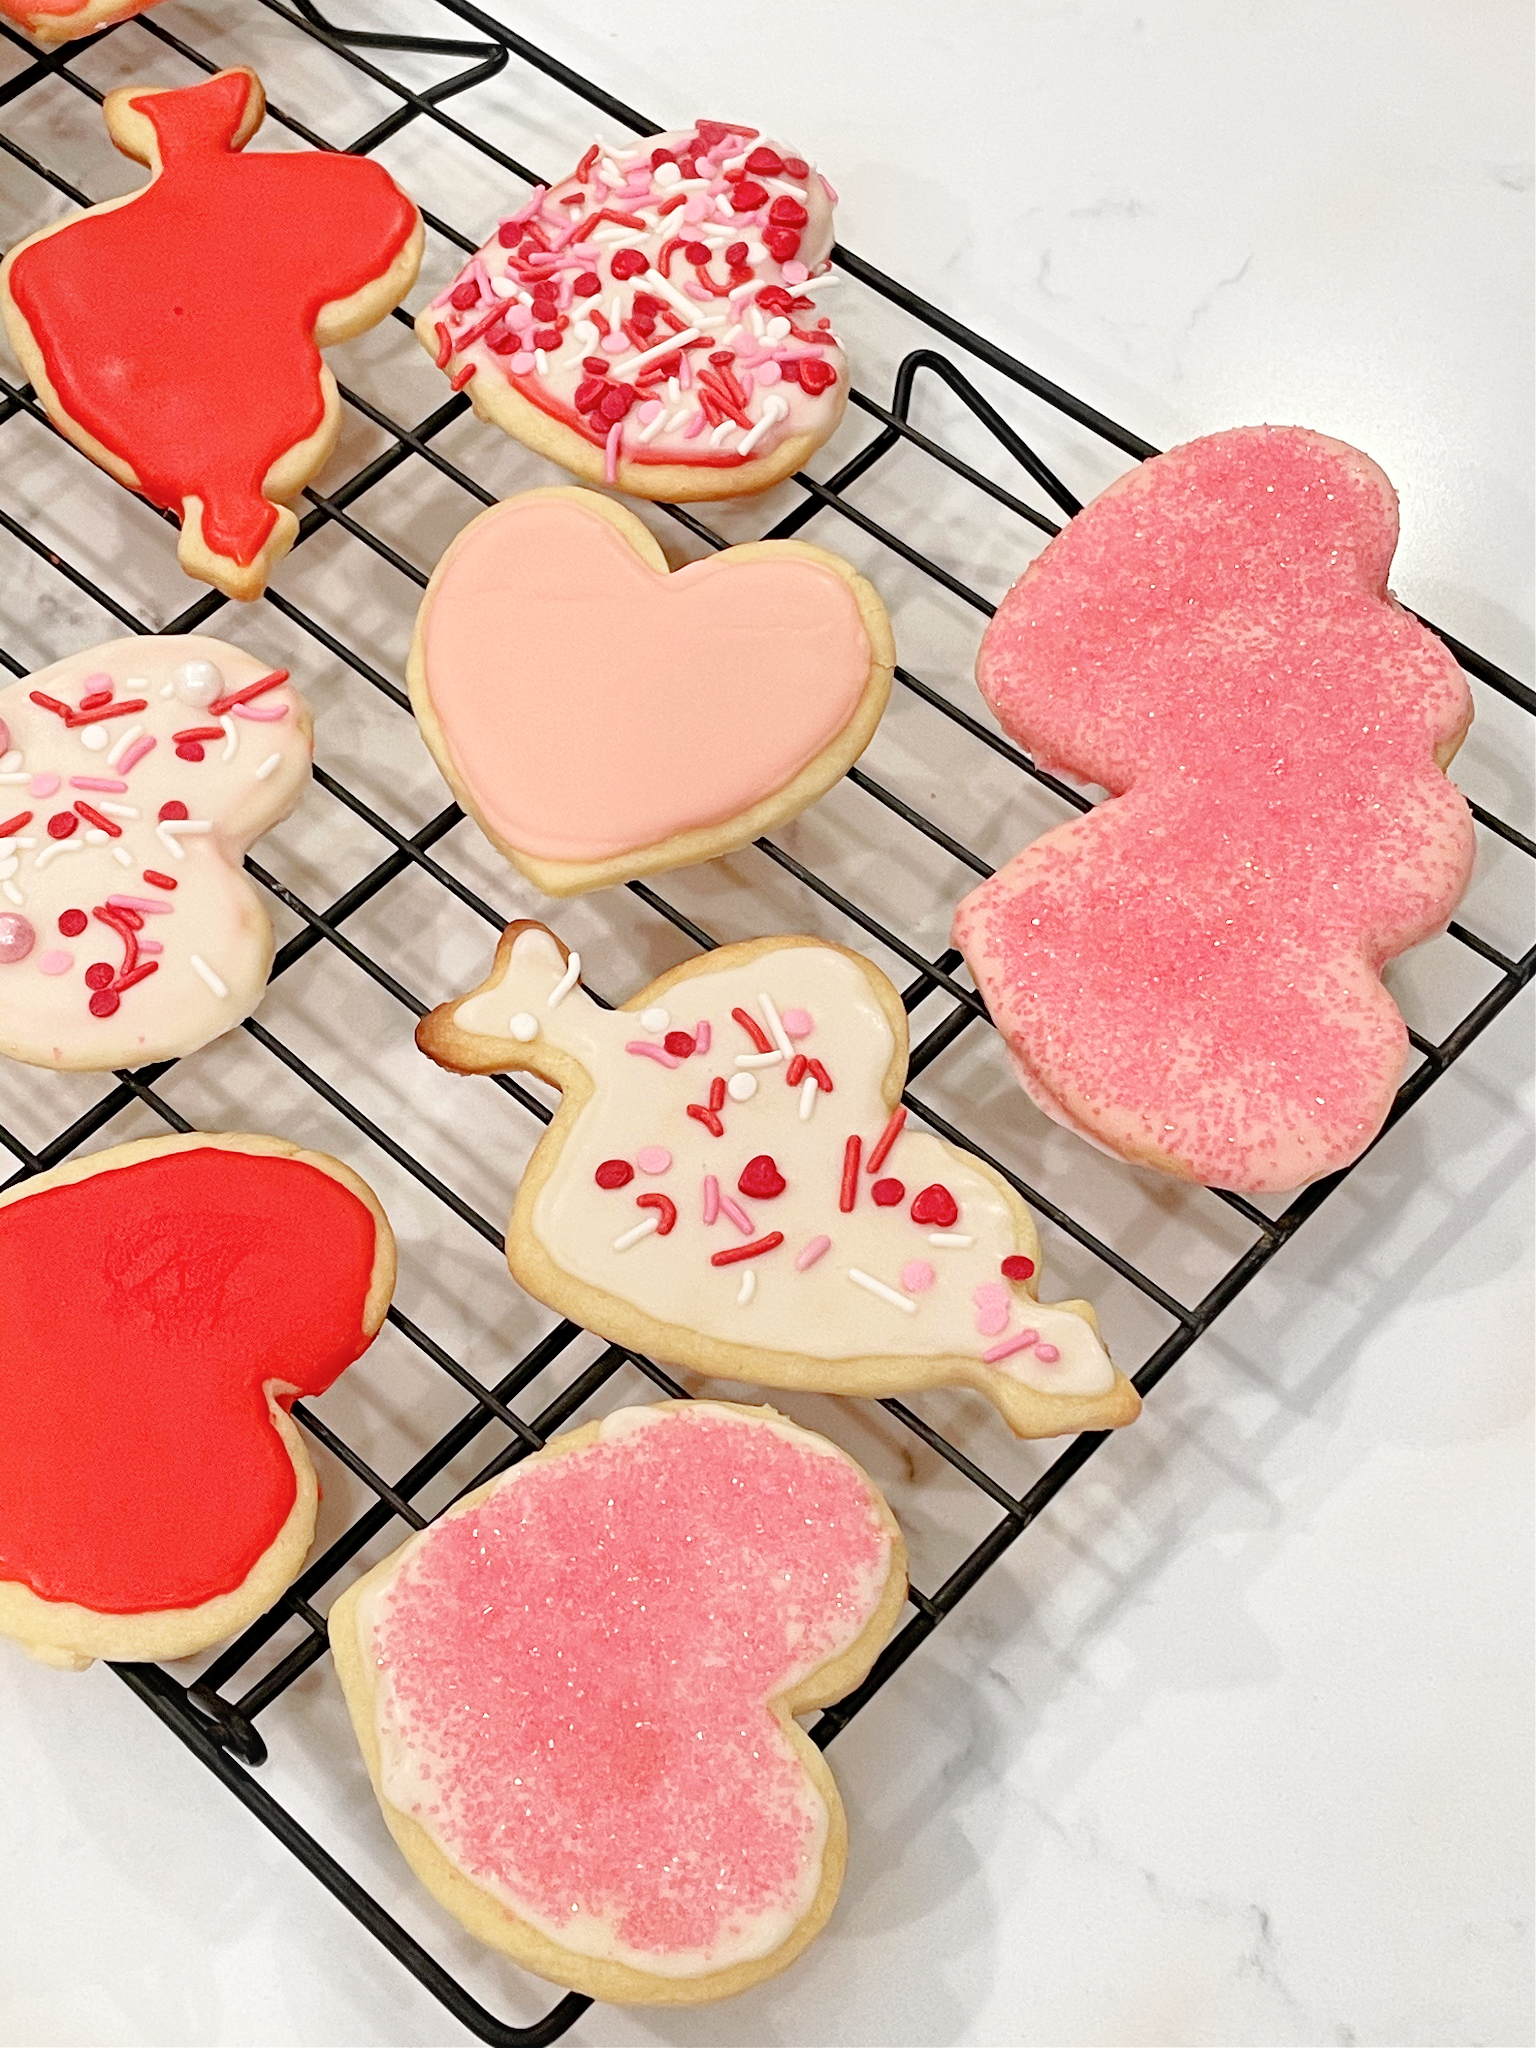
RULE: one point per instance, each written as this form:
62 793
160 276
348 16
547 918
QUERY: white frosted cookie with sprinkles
575 1695
731 1183
134 777
655 320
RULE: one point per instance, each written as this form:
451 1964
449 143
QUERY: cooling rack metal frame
214 1716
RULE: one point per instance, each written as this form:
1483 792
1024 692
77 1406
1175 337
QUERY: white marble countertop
1236 1747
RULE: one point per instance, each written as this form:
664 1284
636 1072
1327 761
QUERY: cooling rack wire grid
954 463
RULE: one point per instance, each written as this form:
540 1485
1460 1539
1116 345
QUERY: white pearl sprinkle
523 1027
655 1018
95 737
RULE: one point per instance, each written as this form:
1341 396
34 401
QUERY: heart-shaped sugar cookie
601 718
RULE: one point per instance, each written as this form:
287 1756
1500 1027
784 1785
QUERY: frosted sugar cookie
1190 974
575 1695
654 320
731 1184
133 778
602 719
161 1306
61 21
225 275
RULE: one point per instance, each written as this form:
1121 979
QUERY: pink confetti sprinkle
799 1023
737 1215
100 681
702 1035
653 1159
992 1294
521 363
648 1051
795 273
42 785
917 1276
104 782
698 423
1046 1353
649 411
711 1198
767 373
991 1322
816 1249
55 961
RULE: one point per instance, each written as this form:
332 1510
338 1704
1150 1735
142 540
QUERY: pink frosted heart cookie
133 778
720 1194
654 320
602 719
1190 974
575 1695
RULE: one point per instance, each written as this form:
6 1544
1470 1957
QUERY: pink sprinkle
615 344
701 1035
652 1052
100 681
55 961
146 904
521 363
649 411
106 782
798 1023
1046 1353
135 753
917 1276
1020 1343
991 1322
696 208
698 423
611 452
768 373
794 273
653 1159
711 1198
42 785
264 712
817 1247
737 1215
150 946
993 1294
697 291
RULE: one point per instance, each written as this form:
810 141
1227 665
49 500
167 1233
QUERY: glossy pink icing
1189 974
579 1667
593 706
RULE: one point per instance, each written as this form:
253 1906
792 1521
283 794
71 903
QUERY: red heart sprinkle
887 1193
588 285
788 213
626 263
190 750
782 244
1017 1267
679 1044
614 1173
816 376
796 167
761 1179
736 253
696 252
748 197
765 163
935 1205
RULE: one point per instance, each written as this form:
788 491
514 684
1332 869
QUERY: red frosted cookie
1190 975
654 320
602 719
61 21
226 275
575 1695
154 1495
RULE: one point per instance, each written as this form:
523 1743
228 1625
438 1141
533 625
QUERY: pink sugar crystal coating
582 1664
1189 974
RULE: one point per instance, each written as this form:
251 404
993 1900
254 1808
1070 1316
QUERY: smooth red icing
593 705
582 1665
141 1311
179 329
1190 973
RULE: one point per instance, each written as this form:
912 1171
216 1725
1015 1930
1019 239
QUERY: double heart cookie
161 1305
1190 974
133 777
731 1183
201 383
602 719
575 1694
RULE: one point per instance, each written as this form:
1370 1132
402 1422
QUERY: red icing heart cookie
154 1496
602 719
1190 975
61 21
575 1693
205 389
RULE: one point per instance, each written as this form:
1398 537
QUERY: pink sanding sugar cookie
575 1692
1190 975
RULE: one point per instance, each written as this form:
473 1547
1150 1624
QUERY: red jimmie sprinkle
850 1188
880 1151
823 1078
15 824
259 688
799 1067
735 1252
707 1118
49 703
753 1029
717 1093
73 718
198 732
158 881
664 1205
94 817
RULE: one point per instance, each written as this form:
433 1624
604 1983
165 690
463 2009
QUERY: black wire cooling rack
217 1715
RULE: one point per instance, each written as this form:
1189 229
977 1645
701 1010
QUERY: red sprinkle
748 197
736 1252
588 392
144 968
788 213
665 1205
456 382
588 285
736 253
93 817
104 1002
259 688
72 923
96 697
753 1029
74 718
782 244
175 809
796 167
1017 1267
154 877
199 732
595 366
49 703
444 346
880 1150
614 1173
761 1179
887 1193
850 1187
15 824
627 263
465 295
679 1044
816 377
935 1206
696 252
717 1093
189 750
587 162
799 1067
765 163
823 1078
62 824
99 975
707 1117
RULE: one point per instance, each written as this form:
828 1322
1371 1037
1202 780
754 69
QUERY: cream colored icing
593 705
820 1311
213 931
